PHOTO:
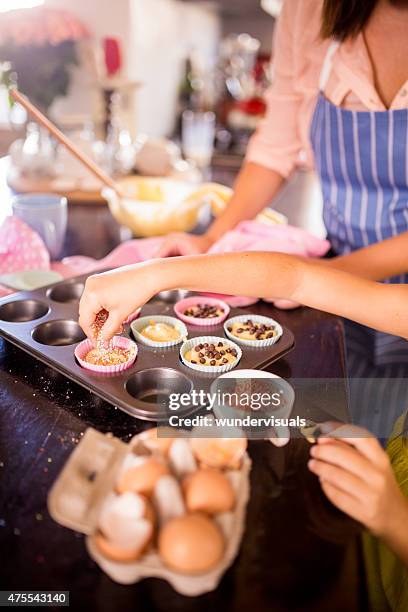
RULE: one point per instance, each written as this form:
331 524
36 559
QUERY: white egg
122 520
181 458
168 499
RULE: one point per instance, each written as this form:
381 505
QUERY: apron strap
327 64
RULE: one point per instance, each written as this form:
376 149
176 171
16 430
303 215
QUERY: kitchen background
144 61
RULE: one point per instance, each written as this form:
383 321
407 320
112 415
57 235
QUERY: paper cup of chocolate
253 330
159 331
119 356
203 311
210 354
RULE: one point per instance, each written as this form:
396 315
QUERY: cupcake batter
211 354
160 332
249 330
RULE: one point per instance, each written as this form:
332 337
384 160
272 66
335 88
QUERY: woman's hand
184 244
120 292
357 477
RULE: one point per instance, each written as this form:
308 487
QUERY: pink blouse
282 139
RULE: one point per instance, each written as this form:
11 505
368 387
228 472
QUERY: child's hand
120 292
356 475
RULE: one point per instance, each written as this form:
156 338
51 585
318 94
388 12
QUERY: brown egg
142 478
191 544
208 490
219 452
158 439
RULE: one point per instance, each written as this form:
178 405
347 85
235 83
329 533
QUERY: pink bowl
182 305
87 345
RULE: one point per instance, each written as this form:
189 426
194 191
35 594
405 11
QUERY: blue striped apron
362 160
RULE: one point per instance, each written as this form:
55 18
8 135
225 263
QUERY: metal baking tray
44 323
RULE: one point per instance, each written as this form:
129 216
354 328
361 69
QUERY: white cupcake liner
133 315
190 344
255 319
182 305
138 325
87 345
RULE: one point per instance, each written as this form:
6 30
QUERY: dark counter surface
298 552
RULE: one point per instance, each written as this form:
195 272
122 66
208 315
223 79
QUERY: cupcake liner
137 326
133 315
211 340
87 345
256 319
197 299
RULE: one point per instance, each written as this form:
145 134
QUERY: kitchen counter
298 551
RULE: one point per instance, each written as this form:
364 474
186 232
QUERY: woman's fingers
343 456
338 477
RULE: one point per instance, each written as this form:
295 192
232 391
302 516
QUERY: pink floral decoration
40 26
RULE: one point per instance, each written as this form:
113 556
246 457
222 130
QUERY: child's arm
357 477
270 275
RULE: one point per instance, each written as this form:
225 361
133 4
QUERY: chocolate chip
220 344
222 352
225 360
270 335
197 349
192 361
213 362
229 329
239 330
202 360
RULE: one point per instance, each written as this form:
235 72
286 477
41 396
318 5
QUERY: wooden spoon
67 143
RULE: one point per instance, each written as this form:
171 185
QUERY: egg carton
44 323
77 497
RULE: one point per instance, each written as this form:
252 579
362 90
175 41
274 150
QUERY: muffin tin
44 324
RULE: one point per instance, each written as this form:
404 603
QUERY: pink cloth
256 236
22 249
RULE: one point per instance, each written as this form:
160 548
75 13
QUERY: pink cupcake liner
182 305
87 345
235 301
133 315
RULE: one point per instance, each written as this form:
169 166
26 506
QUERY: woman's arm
258 274
254 189
376 262
272 152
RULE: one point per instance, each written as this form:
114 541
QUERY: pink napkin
21 249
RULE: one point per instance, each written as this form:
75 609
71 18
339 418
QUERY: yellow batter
160 332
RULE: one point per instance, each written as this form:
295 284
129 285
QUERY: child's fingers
358 437
341 479
343 456
112 326
342 500
88 309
